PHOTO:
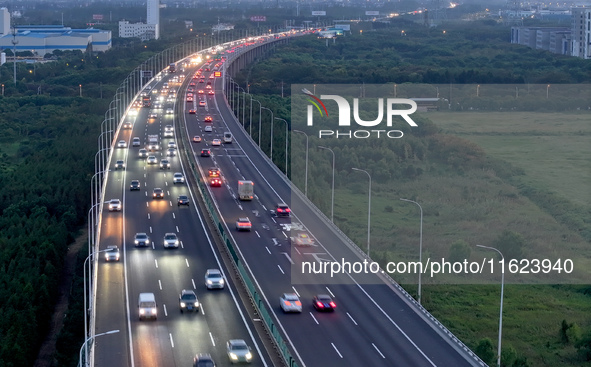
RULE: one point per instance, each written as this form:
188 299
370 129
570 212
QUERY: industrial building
144 31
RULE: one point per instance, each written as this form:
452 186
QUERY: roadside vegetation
513 180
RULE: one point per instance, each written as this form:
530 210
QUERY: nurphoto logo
345 111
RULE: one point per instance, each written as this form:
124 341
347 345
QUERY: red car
192 111
215 182
208 119
323 302
210 92
201 103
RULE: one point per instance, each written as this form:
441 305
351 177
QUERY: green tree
485 350
459 251
510 244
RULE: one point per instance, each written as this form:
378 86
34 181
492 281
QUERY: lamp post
547 91
369 207
85 302
286 136
80 86
332 195
89 339
260 107
265 108
501 312
306 177
420 245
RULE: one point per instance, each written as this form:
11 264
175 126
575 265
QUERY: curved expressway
374 323
174 338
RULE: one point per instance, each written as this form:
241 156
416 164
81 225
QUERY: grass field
475 206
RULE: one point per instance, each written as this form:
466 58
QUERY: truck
227 137
245 190
172 68
153 142
146 101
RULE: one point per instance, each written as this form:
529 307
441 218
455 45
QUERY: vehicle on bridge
245 190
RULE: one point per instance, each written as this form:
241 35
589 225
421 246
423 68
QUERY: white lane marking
352 319
257 233
182 246
313 318
335 348
329 292
383 356
296 292
173 216
150 229
187 262
239 206
171 341
298 251
170 202
156 262
153 246
165 313
177 229
286 236
147 204
269 251
193 281
273 219
166 183
160 284
211 337
280 269
264 207
201 309
288 258
145 192
148 215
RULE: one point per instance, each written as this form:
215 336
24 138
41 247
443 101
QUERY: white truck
227 137
153 142
245 190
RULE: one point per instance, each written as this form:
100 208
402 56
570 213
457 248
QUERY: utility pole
14 42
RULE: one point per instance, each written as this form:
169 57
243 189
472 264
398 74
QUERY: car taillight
320 304
287 210
298 303
287 303
333 305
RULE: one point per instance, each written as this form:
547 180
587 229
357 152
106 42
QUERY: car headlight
153 311
142 311
248 355
209 281
136 242
183 304
196 304
233 356
221 281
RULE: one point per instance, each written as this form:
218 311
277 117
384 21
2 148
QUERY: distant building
144 31
4 21
581 32
222 27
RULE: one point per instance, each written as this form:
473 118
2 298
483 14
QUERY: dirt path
47 351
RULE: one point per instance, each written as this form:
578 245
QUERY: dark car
183 200
203 360
205 153
188 301
282 210
135 185
158 193
323 302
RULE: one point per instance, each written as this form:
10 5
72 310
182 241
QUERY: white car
290 302
112 253
115 205
172 144
119 164
122 144
178 178
171 152
136 142
216 142
208 128
168 134
214 279
143 153
169 111
152 160
238 351
171 240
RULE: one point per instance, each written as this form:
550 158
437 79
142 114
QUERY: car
136 142
127 125
143 153
290 302
164 164
153 115
112 253
169 111
151 160
182 200
208 86
216 142
201 91
303 239
192 111
243 224
171 152
205 153
158 193
208 129
211 92
208 119
141 240
190 95
211 76
238 351
282 210
171 240
192 84
168 128
122 144
178 178
201 80
201 103
323 302
215 182
196 139
135 185
115 205
214 279
203 360
190 89
189 99
119 164
168 134
188 301
213 172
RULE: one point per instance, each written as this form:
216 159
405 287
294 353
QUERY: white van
227 137
147 306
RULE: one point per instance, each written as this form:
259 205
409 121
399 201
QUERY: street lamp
420 246
260 106
547 91
85 306
332 200
80 86
89 339
368 209
265 108
306 177
286 132
502 291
